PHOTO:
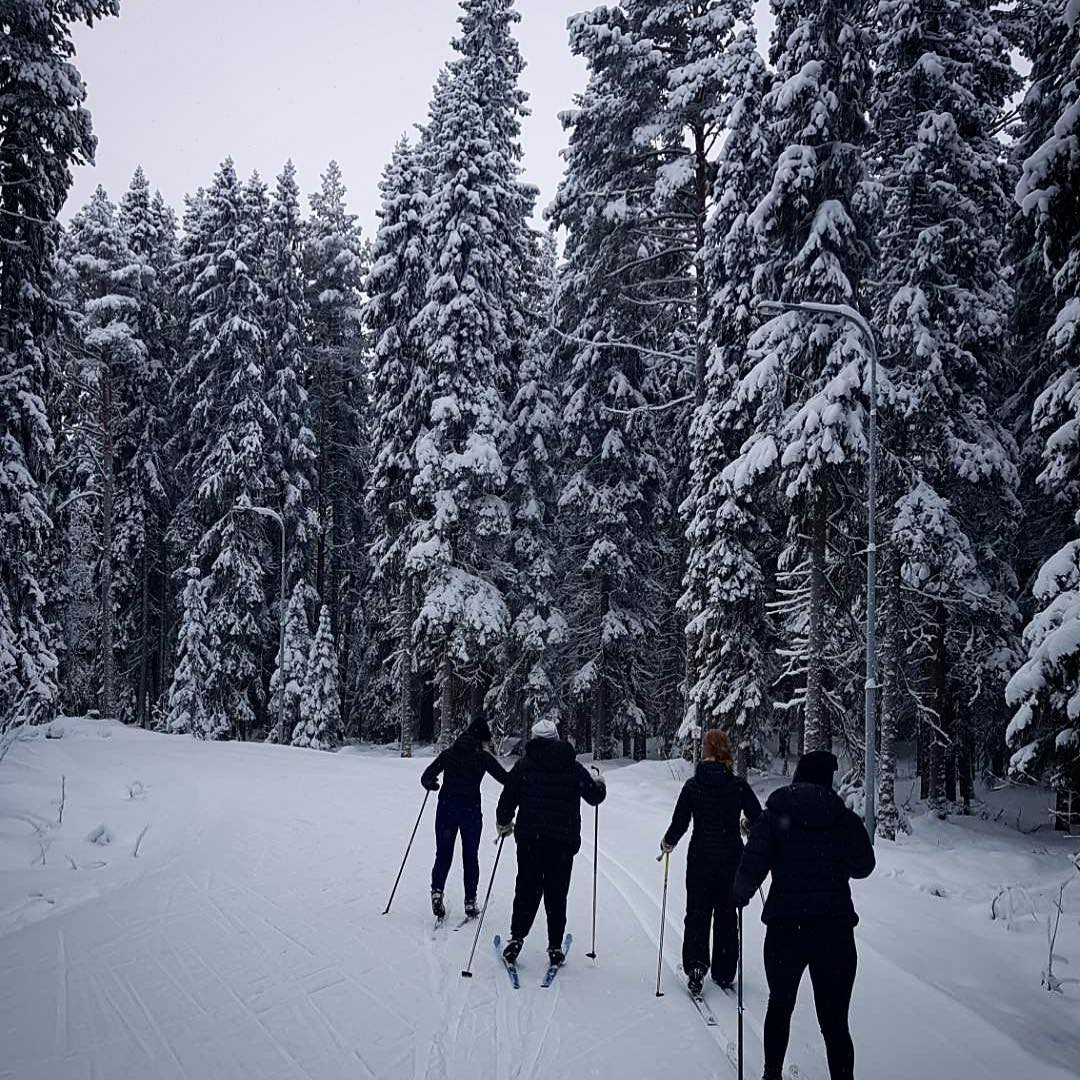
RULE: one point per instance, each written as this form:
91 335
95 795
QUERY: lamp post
273 515
847 312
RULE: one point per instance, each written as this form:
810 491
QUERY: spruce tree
334 272
319 727
189 711
1045 730
396 289
730 639
44 131
294 454
109 359
942 80
462 613
149 230
527 690
290 672
231 428
610 498
801 396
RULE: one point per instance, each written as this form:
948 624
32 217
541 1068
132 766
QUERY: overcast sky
177 85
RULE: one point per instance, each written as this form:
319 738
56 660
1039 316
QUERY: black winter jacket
545 788
714 800
812 844
463 765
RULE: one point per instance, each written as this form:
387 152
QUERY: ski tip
497 941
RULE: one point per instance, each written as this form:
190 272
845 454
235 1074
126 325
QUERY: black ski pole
740 999
397 880
467 973
595 861
666 856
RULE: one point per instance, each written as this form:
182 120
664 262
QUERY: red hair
715 744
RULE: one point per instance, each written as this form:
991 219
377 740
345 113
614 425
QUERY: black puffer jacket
545 788
714 800
463 766
812 844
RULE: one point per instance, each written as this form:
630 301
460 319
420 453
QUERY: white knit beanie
545 729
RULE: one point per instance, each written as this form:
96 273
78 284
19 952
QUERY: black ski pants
827 948
455 816
543 874
710 907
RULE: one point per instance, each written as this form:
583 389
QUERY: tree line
582 473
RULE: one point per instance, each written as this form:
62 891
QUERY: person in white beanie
545 789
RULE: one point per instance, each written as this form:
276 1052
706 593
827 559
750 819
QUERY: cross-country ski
554 968
510 966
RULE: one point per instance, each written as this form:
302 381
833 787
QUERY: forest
265 477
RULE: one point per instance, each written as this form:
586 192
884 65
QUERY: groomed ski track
247 941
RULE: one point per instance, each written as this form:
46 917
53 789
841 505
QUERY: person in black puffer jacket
463 766
812 844
545 788
715 800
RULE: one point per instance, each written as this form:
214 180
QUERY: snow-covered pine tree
230 430
294 454
44 131
527 689
730 639
802 394
334 272
489 52
103 284
319 726
1033 28
189 711
460 477
396 289
942 79
610 499
149 229
290 675
1046 690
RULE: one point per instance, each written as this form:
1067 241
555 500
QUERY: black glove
432 785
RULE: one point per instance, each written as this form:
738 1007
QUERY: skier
715 800
463 766
545 787
812 844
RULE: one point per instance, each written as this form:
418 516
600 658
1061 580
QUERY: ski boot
724 984
472 908
513 948
695 980
556 957
438 908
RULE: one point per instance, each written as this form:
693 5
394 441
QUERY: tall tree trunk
405 670
445 728
938 744
815 736
144 633
892 704
701 289
108 480
965 774
601 738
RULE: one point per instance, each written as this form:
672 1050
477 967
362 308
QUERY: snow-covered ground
246 939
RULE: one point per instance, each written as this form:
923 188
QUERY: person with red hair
714 799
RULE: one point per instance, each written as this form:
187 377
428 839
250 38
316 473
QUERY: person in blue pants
463 766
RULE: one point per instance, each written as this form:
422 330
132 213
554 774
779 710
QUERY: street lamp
273 515
846 311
